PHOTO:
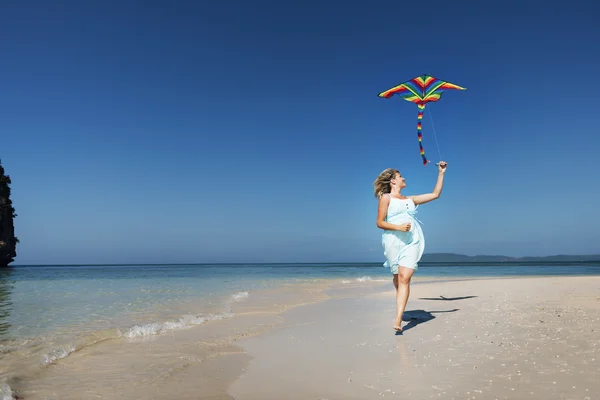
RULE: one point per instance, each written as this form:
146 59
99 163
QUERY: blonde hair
382 183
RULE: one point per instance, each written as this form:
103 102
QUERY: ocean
38 300
50 312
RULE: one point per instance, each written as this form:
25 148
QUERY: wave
58 353
149 329
6 392
156 328
239 296
363 279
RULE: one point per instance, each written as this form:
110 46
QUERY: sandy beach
525 338
513 338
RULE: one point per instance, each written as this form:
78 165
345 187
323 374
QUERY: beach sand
514 338
521 338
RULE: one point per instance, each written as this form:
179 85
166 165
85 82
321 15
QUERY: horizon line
510 259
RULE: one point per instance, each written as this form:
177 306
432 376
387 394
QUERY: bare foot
397 326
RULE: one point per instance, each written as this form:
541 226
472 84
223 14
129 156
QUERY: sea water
36 300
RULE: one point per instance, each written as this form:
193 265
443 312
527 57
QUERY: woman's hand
404 227
442 167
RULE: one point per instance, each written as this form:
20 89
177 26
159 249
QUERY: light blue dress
402 248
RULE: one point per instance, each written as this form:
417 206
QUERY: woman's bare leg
402 284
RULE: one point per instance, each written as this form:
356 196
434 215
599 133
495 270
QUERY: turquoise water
36 300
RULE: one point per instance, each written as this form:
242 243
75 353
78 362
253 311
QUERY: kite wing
421 90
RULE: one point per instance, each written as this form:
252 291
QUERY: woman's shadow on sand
416 317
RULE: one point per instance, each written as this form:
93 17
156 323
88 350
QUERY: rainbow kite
421 90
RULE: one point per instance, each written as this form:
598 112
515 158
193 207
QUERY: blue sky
252 131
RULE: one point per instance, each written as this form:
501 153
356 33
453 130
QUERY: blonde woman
402 237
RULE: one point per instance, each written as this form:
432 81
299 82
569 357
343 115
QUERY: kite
421 90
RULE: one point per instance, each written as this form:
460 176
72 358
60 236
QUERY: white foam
187 321
364 279
6 392
239 296
57 354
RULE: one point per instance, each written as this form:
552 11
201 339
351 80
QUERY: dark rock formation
8 241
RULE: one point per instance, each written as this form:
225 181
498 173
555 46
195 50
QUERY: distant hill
462 258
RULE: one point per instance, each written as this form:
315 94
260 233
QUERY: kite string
433 129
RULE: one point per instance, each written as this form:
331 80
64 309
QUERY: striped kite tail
419 118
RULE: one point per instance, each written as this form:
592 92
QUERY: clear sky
251 131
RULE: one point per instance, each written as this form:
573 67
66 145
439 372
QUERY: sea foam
186 321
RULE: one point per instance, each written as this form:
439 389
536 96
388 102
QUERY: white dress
402 249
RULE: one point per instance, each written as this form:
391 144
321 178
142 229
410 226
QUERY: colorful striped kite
421 90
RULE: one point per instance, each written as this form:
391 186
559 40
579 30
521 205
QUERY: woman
402 238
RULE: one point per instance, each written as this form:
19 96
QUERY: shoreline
24 368
217 350
210 342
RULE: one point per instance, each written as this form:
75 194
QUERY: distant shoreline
480 261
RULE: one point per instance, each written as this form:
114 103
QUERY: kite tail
419 118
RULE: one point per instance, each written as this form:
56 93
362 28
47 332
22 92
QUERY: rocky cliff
8 241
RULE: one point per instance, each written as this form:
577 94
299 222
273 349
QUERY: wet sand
192 362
